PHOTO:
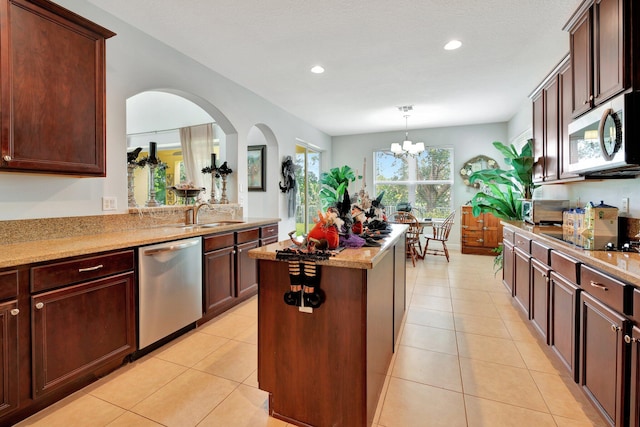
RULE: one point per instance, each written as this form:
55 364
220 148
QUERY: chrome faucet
196 211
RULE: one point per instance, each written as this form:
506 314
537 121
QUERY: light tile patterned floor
466 357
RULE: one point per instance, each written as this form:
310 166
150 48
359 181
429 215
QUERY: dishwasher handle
171 248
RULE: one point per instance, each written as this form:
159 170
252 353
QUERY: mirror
185 136
478 163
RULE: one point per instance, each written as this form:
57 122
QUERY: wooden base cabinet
78 329
508 261
563 321
8 356
522 272
479 235
230 275
603 356
634 395
540 295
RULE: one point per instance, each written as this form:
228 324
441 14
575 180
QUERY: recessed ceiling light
317 69
452 45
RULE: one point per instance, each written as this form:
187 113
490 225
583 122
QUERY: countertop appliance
170 288
541 211
602 142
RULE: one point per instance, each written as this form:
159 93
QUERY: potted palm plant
501 191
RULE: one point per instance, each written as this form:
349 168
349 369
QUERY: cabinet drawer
268 231
473 237
603 287
522 242
8 284
247 235
541 252
53 275
219 241
567 267
508 235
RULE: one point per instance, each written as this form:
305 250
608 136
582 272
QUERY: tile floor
466 357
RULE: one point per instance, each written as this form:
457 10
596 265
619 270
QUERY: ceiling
378 54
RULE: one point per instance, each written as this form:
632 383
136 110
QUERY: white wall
136 63
468 142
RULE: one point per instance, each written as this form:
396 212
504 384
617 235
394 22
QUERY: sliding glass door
308 177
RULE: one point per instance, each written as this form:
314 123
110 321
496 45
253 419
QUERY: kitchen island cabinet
52 95
327 367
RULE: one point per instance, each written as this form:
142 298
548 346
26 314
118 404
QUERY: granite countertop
624 265
16 254
361 258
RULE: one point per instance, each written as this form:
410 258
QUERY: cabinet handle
94 268
39 305
629 340
480 240
598 285
615 328
481 221
465 226
14 312
465 213
485 228
7 158
233 252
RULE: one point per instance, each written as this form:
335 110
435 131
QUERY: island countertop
16 254
361 258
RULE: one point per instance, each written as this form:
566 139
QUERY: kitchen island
326 366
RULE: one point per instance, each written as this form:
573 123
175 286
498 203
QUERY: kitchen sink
210 224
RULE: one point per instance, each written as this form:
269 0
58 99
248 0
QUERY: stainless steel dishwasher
170 288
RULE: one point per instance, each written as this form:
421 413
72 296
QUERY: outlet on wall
109 204
625 205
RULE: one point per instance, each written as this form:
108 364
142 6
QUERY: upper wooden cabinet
52 97
601 45
551 117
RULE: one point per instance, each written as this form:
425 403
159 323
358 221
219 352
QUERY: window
307 172
425 181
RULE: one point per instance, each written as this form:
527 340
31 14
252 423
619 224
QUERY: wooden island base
327 368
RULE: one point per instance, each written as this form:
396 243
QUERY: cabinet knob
629 340
615 328
480 240
7 158
39 305
465 226
15 312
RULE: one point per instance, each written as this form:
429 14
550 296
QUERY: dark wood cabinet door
634 395
507 265
538 137
564 115
540 297
580 48
521 279
602 357
246 270
551 128
563 323
219 281
53 90
78 329
608 54
8 357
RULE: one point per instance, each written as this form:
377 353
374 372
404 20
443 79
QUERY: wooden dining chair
441 234
413 246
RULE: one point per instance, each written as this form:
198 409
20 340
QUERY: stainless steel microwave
603 142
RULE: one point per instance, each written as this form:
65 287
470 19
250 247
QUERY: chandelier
406 148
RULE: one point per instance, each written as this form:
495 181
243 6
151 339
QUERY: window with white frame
425 181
